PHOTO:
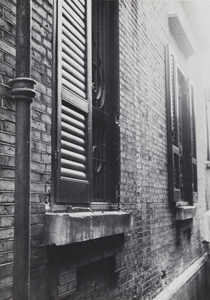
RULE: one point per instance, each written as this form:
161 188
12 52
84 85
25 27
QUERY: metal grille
194 177
176 172
99 55
99 163
100 60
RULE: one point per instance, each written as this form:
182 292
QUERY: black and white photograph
104 149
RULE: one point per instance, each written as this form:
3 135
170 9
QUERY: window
182 162
86 143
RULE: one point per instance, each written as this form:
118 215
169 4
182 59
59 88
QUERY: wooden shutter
73 102
193 140
182 163
207 104
173 132
187 143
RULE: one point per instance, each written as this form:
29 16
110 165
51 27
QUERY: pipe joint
22 88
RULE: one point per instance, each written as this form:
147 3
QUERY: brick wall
41 70
158 249
143 142
146 259
7 146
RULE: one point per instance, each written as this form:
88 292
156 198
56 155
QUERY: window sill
67 228
185 212
206 226
208 164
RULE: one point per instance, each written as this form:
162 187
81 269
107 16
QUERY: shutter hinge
47 200
56 158
117 118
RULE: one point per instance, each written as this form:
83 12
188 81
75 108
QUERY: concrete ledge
67 228
185 212
172 289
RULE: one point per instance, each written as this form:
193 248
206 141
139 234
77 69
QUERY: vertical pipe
23 92
22 202
23 38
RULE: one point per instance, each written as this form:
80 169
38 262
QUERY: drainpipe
22 90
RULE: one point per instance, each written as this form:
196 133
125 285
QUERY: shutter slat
73 156
79 18
72 147
82 2
72 80
72 5
73 39
72 165
73 174
66 49
66 40
71 129
71 138
73 72
74 65
73 88
73 122
79 5
70 112
74 20
77 35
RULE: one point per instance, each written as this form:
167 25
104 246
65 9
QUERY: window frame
55 205
184 195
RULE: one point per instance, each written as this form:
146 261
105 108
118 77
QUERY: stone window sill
206 226
185 212
62 228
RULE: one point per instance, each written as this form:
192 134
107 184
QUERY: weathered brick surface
41 71
7 146
116 267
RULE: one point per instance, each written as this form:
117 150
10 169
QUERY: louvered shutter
187 142
207 104
172 128
73 102
193 140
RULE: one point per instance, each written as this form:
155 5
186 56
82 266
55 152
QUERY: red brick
7 293
9 5
6 257
7 48
6 233
6 245
6 270
5 282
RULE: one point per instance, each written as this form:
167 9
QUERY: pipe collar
22 87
